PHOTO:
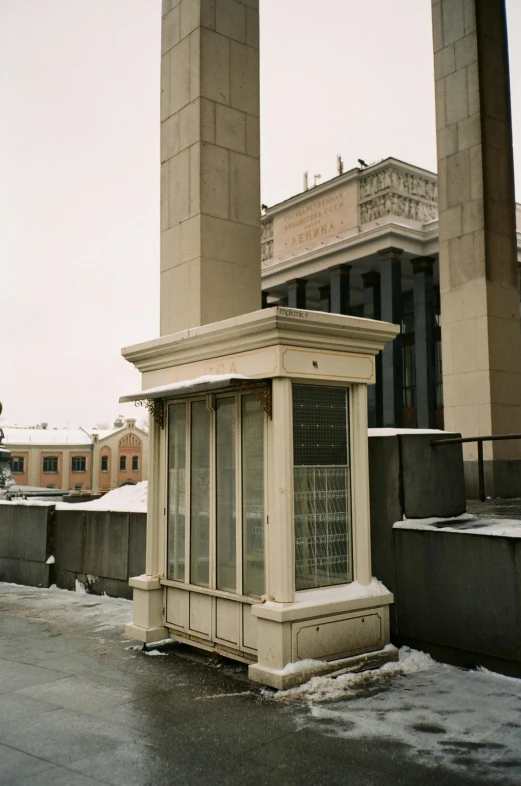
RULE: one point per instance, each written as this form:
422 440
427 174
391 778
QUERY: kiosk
258 535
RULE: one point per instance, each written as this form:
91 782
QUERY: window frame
104 458
12 463
50 471
75 459
187 584
135 460
123 460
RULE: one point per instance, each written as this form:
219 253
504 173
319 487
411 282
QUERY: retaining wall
98 548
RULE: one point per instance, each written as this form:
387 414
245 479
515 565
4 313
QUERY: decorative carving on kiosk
393 192
156 409
262 392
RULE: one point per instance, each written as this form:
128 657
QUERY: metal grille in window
321 486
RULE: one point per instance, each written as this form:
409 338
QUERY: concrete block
65 579
208 122
453 22
244 189
170 29
215 180
433 478
179 76
35 523
384 490
106 545
190 245
170 140
231 19
10 570
230 128
176 308
466 51
195 180
137 544
68 545
178 187
171 247
165 196
112 587
457 101
215 66
458 590
33 574
244 78
229 240
458 178
5 526
189 124
165 87
252 28
253 136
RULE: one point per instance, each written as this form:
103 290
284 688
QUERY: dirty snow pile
333 688
126 499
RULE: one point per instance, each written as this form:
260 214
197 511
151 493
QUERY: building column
210 167
424 326
340 289
392 357
297 293
372 310
325 298
481 337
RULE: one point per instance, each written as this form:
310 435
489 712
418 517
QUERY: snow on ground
57 605
126 499
466 523
467 721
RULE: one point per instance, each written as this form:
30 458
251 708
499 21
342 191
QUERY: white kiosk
258 534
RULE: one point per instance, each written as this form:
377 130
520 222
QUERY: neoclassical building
78 459
366 243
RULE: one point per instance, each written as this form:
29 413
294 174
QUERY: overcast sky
79 172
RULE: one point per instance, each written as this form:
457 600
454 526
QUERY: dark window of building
17 465
104 463
50 486
79 464
78 487
50 464
135 463
122 463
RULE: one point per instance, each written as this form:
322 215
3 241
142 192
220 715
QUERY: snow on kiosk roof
198 385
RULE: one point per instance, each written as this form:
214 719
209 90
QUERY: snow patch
80 587
334 688
50 561
466 524
154 652
302 665
126 499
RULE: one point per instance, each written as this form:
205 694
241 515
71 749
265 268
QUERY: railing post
481 471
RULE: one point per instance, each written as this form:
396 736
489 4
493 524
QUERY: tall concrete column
392 357
340 289
481 340
372 298
297 293
424 326
210 173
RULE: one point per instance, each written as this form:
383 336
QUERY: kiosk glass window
226 495
323 550
216 481
252 436
176 491
200 494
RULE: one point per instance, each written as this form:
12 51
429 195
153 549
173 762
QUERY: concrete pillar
481 341
210 173
372 297
297 293
340 289
325 298
424 326
392 358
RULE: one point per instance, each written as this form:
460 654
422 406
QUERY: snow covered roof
198 385
127 499
43 436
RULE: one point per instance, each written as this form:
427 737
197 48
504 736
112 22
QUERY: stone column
392 357
340 289
481 341
372 297
325 298
297 293
424 326
210 173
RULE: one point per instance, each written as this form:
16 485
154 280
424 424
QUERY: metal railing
480 440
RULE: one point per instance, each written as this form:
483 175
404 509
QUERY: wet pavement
495 508
81 705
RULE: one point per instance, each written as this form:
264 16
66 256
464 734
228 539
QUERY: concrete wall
98 548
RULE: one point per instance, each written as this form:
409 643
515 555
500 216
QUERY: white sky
79 171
